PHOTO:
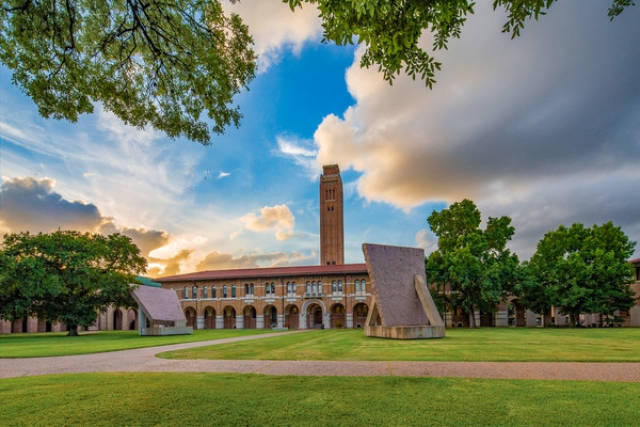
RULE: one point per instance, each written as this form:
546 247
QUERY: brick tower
331 217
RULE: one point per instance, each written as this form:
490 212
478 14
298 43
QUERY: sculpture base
184 330
405 332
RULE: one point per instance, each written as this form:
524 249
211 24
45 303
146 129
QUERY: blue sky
544 129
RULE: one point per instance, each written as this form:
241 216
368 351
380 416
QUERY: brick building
330 295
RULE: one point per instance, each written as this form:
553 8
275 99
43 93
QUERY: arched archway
229 314
209 318
337 316
360 312
249 315
270 317
190 314
117 319
314 316
132 315
291 316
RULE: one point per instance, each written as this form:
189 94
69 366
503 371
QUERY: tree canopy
66 276
582 270
158 63
472 268
167 63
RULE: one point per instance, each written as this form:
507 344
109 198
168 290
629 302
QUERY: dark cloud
30 204
146 240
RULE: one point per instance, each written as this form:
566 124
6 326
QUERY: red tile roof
308 270
635 261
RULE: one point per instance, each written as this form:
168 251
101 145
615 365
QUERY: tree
149 62
473 267
582 270
66 276
165 63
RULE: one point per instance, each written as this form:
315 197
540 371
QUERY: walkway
144 360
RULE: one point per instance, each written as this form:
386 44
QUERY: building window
194 292
363 286
339 286
213 292
248 289
270 289
233 291
205 292
291 288
308 290
224 291
186 292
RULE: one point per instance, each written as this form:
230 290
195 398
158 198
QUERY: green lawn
226 399
488 344
58 344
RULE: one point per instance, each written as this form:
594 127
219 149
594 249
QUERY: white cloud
301 151
426 240
276 218
275 27
223 174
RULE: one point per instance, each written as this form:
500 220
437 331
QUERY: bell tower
331 217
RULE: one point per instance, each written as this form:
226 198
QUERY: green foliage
472 268
391 30
158 63
582 270
66 276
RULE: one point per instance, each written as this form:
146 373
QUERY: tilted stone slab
402 306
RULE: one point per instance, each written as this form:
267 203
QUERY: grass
491 344
58 344
228 399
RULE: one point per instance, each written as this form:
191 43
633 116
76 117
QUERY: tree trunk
472 321
574 320
546 319
72 330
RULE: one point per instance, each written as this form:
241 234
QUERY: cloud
275 27
170 266
223 174
30 204
219 261
426 240
278 218
520 126
146 240
301 151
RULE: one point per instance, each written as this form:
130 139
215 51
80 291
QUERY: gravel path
144 360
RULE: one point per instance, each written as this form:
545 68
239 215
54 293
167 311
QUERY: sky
544 128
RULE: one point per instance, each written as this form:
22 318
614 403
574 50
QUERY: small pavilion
159 311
